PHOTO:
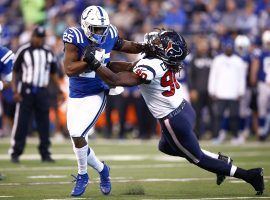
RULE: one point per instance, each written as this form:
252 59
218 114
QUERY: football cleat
227 159
105 180
81 181
255 178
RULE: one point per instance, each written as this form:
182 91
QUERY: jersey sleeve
113 36
144 70
72 35
7 57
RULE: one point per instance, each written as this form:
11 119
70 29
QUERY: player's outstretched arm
118 79
119 66
130 46
72 64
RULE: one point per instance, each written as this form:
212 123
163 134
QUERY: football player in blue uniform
155 75
6 65
260 77
87 92
242 48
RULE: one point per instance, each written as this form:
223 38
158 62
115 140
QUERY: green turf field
138 171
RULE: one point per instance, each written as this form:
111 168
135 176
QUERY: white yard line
126 180
129 157
47 177
6 196
122 166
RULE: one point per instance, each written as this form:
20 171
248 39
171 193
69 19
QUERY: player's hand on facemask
89 58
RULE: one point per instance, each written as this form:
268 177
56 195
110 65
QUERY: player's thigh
179 132
82 113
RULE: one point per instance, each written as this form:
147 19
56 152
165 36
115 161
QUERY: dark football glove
89 57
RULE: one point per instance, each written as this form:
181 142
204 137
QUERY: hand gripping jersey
88 83
6 63
162 92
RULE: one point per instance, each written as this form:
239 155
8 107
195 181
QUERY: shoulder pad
73 35
146 69
113 32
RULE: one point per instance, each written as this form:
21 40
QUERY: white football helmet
266 38
242 44
95 23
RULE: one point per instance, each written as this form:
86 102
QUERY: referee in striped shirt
34 65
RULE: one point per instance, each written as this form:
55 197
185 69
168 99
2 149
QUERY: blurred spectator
175 16
33 11
198 79
227 82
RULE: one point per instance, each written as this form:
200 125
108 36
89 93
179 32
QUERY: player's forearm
120 66
75 68
132 47
116 79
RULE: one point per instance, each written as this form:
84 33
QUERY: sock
93 161
212 155
240 173
81 155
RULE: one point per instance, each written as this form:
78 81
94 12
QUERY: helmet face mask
95 24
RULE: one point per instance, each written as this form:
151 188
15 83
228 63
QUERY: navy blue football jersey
264 58
88 83
6 61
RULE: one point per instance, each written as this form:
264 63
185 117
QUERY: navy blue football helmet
169 46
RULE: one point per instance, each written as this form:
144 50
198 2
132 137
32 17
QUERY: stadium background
210 19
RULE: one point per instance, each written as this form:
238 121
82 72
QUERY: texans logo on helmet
171 48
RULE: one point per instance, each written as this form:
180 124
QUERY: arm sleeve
118 44
72 36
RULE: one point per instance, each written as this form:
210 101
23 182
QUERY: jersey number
169 80
67 37
141 74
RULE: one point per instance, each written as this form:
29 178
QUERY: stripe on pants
96 117
177 143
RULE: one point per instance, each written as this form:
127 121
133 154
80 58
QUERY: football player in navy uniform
260 77
87 92
155 76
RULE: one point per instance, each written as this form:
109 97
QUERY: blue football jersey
264 69
6 61
88 83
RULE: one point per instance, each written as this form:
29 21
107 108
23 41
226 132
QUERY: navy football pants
179 139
